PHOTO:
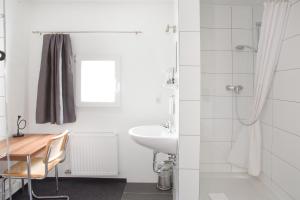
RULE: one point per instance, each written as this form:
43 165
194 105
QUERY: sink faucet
166 124
169 125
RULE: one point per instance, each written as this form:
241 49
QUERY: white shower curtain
246 152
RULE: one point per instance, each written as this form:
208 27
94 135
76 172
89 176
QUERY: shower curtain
246 152
55 97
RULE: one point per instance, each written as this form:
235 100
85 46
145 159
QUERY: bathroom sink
155 137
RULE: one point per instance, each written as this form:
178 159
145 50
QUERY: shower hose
238 114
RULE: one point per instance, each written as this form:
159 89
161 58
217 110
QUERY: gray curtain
55 96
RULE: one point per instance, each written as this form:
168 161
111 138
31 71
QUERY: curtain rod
62 32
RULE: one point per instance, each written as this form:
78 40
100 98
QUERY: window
98 82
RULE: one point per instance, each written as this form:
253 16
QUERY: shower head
243 47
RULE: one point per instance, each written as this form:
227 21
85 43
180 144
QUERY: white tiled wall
216 62
208 62
190 76
188 184
189 17
213 16
222 29
189 99
189 117
189 50
214 107
281 127
242 17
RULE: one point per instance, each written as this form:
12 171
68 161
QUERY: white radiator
94 154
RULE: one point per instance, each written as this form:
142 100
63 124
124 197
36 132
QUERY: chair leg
56 178
3 188
29 188
50 197
23 188
29 177
10 188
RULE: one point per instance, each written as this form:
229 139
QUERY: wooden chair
40 167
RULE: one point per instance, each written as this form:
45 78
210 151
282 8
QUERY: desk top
28 145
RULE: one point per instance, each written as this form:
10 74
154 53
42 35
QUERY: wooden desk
29 145
24 148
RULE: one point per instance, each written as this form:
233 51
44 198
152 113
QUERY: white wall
143 61
3 132
280 127
15 69
17 60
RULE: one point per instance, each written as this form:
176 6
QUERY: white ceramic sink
155 137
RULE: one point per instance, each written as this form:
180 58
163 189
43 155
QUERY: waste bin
165 175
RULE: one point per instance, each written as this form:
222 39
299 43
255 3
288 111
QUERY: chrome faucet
166 124
234 88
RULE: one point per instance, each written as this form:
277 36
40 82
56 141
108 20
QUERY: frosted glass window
99 82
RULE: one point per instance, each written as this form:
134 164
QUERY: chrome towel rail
92 31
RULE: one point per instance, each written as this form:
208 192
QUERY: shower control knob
230 87
234 88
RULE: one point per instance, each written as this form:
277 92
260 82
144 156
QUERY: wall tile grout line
291 37
286 131
278 185
285 100
286 162
286 70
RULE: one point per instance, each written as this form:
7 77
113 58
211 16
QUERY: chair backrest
56 147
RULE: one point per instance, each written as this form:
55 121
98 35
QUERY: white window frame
79 103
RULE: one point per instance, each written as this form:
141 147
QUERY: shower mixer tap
234 88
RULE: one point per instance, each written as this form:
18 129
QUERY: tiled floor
235 187
145 191
97 189
78 189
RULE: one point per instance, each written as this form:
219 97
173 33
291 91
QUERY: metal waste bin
165 175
